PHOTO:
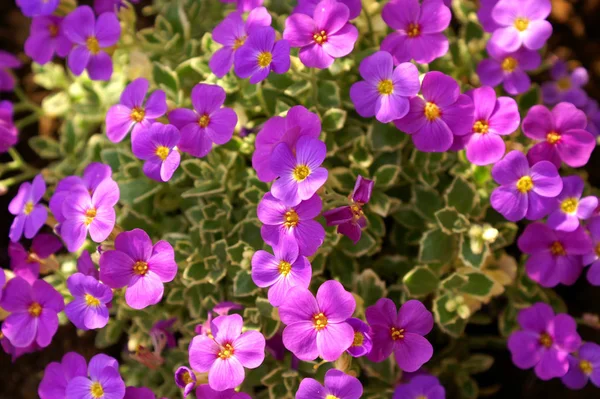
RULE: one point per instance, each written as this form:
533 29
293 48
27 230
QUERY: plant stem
26 102
370 26
261 98
28 120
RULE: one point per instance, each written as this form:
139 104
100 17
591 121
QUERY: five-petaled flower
88 309
261 54
30 216
157 147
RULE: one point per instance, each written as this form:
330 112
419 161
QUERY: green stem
17 159
315 87
26 102
25 175
28 120
370 26
261 98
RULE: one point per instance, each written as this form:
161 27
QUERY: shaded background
576 36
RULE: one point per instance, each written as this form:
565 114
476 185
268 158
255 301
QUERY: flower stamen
557 249
521 24
553 138
525 184
92 45
320 37
432 111
413 30
162 152
569 205
28 208
35 309
546 340
90 214
91 300
359 338
140 267
137 114
301 172
481 127
284 267
509 64
204 121
226 352
385 87
396 333
291 219
96 390
264 59
320 321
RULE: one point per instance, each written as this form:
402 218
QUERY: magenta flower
544 341
33 312
161 332
317 327
362 343
8 130
245 5
85 265
484 14
260 54
223 308
421 386
584 367
297 123
282 271
385 91
186 379
418 30
34 8
26 264
566 87
102 6
323 36
493 119
569 207
206 392
7 62
562 134
139 266
508 68
592 258
131 114
139 393
209 123
91 37
337 385
591 109
281 221
30 216
157 147
88 309
441 113
15 352
46 37
554 256
2 282
308 7
522 24
225 356
57 376
400 332
104 381
232 33
84 212
524 192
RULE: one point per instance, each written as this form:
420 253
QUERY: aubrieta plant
298 198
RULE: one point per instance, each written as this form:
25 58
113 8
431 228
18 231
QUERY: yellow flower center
91 300
359 338
564 83
187 378
413 30
92 45
421 397
557 249
137 114
285 267
226 352
385 87
32 257
28 208
301 172
320 37
90 214
396 333
525 184
432 111
209 334
239 42
598 249
319 321
53 30
553 138
291 219
204 121
140 267
264 59
330 396
545 340
509 64
481 127
96 390
162 152
586 367
357 211
35 309
569 205
521 24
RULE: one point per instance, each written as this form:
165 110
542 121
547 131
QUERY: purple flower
337 385
131 114
57 376
362 343
26 264
493 118
282 271
566 87
318 327
421 386
15 352
2 282
34 8
85 265
245 5
206 392
104 381
418 30
400 332
485 15
232 33
584 367
563 135
281 221
592 258
161 332
34 312
91 37
570 207
7 61
88 309
29 215
139 266
84 212
554 256
157 148
323 36
186 379
260 54
209 123
308 7
8 130
223 308
297 123
385 91
544 341
46 37
591 109
102 6
508 68
225 356
524 192
139 393
521 23
441 113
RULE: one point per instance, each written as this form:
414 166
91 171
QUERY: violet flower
104 381
484 14
85 265
226 355
591 109
434 119
261 54
323 36
26 264
206 392
566 87
185 378
2 282
385 91
362 343
91 37
544 341
400 332
522 24
7 62
418 30
223 308
102 6
569 207
157 147
33 312
562 134
592 258
308 7
15 352
245 5
209 123
161 332
281 221
337 385
30 216
8 130
34 8
57 376
421 386
132 114
46 37
88 309
138 265
554 256
524 192
584 367
139 393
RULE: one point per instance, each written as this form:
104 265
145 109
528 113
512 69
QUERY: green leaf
110 334
386 176
436 246
329 94
334 119
427 201
45 147
420 281
454 281
385 137
467 255
477 363
193 168
165 78
380 203
478 285
370 287
450 221
243 284
462 196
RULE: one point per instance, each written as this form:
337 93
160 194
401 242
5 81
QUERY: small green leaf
334 119
420 281
436 246
370 287
386 176
427 201
165 78
243 284
45 147
462 196
478 285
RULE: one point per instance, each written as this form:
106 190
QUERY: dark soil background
576 36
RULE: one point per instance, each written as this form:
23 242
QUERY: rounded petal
221 126
225 374
434 17
116 268
144 291
575 147
203 353
108 29
333 340
100 66
300 338
414 317
485 149
412 352
162 261
546 180
250 349
299 30
537 34
78 59
525 349
342 385
553 363
337 303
